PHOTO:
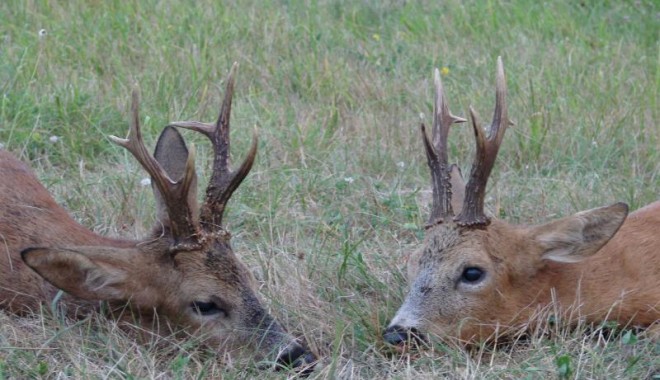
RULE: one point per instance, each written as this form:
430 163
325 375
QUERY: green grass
340 189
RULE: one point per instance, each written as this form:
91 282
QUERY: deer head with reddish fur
186 271
473 278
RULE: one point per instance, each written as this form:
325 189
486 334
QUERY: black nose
297 357
396 335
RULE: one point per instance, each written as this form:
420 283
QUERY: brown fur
30 217
474 278
616 282
143 275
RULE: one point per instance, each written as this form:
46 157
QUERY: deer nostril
297 357
396 335
290 356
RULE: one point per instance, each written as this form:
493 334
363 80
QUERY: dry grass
340 187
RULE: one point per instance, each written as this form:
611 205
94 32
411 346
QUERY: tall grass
340 189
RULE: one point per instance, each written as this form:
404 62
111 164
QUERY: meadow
340 190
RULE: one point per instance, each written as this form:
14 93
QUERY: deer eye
207 308
472 275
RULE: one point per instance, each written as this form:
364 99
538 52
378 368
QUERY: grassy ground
340 189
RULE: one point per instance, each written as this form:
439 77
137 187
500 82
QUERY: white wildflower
594 143
54 139
401 164
144 182
349 179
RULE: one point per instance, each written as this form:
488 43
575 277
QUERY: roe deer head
473 277
186 271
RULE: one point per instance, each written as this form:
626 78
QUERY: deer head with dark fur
185 272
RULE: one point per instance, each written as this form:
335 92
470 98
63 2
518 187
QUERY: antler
175 193
486 152
223 180
436 155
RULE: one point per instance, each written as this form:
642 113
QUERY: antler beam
223 181
436 155
175 193
486 152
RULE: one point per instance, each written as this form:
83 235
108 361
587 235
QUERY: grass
340 188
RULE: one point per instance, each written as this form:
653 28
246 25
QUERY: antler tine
486 152
174 193
223 181
436 154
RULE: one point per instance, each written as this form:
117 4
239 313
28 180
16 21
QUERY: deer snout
296 356
290 353
405 326
397 335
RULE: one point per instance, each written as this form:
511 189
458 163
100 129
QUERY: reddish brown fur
29 216
618 282
42 249
474 278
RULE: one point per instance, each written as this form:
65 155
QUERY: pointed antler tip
500 95
476 123
437 81
204 128
192 151
473 112
255 144
118 140
500 72
233 70
135 103
190 162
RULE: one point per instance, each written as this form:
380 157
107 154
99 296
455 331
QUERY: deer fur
617 282
597 265
190 279
30 217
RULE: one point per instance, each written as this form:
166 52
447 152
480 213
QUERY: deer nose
297 357
396 335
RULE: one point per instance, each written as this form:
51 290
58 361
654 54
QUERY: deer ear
90 273
574 238
172 155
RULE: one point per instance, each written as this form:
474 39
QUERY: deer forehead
209 271
449 243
